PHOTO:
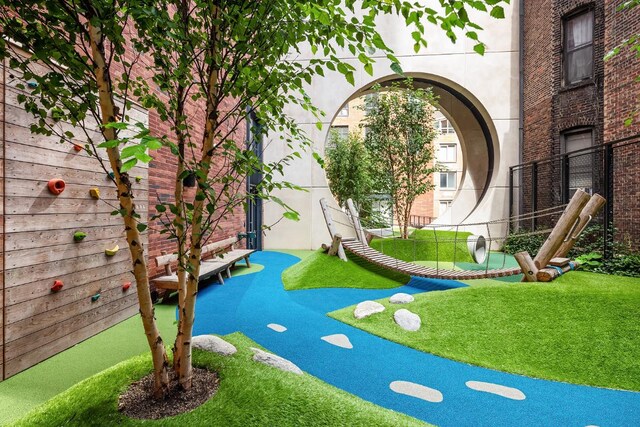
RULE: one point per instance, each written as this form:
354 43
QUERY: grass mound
421 246
250 394
583 328
320 270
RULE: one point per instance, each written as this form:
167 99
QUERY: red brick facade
162 178
550 107
601 103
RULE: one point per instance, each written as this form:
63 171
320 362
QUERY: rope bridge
359 245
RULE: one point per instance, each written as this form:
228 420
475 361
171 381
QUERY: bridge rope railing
387 243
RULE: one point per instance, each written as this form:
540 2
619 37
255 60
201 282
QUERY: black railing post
608 228
566 173
510 199
534 193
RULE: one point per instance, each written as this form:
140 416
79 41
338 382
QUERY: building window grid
344 111
448 153
445 127
577 57
448 180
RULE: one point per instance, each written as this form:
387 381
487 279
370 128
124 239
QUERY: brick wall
162 178
551 108
622 94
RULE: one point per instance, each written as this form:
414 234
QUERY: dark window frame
565 51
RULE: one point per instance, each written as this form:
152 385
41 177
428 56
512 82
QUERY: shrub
523 241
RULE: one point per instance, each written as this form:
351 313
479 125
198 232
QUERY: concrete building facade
478 95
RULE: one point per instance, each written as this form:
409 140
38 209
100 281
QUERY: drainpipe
521 72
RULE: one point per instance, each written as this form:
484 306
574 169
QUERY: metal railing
611 169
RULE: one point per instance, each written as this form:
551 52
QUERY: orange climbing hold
57 285
126 287
56 186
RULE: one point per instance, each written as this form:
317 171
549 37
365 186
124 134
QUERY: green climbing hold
79 236
111 175
138 178
95 298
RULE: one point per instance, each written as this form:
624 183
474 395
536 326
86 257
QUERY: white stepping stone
407 320
213 344
401 298
276 327
500 390
339 340
367 308
278 362
416 390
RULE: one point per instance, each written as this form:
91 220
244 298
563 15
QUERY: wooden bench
214 266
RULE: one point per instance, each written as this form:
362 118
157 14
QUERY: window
447 153
578 47
445 127
341 131
448 180
580 173
443 206
344 111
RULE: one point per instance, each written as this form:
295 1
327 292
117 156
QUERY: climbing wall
59 288
2 104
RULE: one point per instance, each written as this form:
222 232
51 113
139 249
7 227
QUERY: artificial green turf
427 245
582 328
250 394
29 388
320 270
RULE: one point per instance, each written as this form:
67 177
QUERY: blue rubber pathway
249 303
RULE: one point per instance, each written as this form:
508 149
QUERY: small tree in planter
400 132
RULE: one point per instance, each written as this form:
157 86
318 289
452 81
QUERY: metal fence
611 169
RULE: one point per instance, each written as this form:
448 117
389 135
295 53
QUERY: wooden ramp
364 251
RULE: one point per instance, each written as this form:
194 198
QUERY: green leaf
128 165
479 48
116 125
497 12
141 227
396 68
294 216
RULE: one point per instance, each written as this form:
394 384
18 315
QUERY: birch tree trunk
140 272
185 372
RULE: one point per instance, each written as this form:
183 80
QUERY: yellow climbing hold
95 193
112 251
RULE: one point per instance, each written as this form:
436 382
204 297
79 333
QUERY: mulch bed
138 402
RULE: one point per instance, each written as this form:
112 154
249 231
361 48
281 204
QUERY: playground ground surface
36 385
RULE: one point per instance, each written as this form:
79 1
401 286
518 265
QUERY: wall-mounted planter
112 251
57 285
79 236
56 186
126 287
95 193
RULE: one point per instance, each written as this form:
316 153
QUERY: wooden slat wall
39 248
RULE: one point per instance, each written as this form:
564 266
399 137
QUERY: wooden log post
355 217
331 227
527 265
563 227
547 274
589 211
336 244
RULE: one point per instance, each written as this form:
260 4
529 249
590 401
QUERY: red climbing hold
126 287
77 147
56 186
57 285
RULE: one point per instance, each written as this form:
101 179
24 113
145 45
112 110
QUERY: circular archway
475 133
